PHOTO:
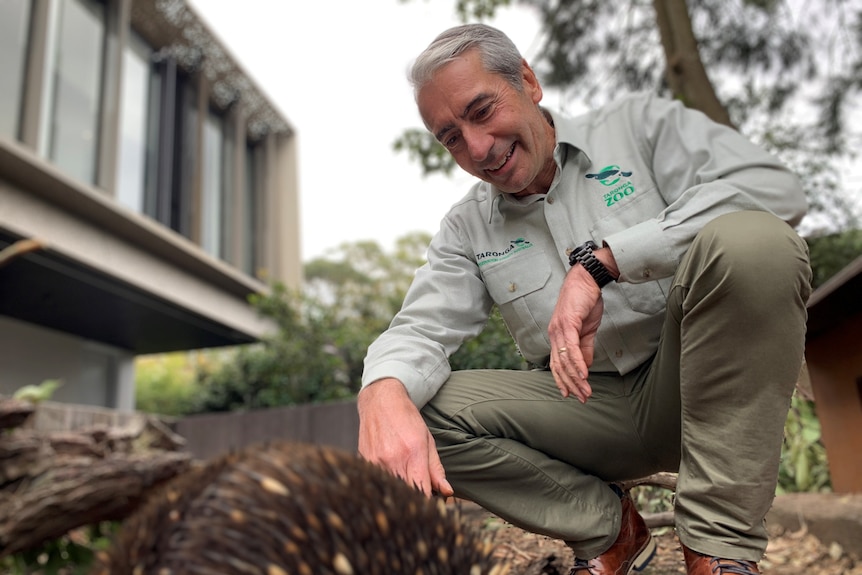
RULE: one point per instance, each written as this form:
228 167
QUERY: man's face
492 130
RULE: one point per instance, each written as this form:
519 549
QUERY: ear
531 82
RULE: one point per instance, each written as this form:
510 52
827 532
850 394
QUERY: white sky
336 69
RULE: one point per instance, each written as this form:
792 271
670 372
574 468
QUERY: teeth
505 159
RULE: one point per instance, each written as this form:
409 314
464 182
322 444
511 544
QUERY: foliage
38 392
166 383
300 363
494 348
318 351
788 74
71 554
362 286
803 457
422 148
830 254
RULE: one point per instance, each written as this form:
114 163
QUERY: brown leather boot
698 564
632 551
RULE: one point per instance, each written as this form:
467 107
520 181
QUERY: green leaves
804 466
421 147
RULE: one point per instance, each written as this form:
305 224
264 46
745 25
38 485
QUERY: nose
479 143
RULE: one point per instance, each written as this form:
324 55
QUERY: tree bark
685 73
51 483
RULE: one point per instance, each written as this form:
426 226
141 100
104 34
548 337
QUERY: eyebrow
470 105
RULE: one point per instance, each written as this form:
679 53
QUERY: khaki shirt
642 175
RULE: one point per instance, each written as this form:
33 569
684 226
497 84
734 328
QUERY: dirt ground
788 553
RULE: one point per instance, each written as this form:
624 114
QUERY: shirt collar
567 132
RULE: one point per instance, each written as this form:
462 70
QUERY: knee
756 240
756 249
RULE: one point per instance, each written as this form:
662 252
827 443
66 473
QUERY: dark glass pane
184 155
250 204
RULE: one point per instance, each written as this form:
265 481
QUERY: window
138 125
212 193
14 24
251 207
184 153
74 87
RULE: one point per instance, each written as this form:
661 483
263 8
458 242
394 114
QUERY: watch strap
583 255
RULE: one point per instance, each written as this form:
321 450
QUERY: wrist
586 257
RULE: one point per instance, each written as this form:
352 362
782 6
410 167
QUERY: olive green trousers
710 404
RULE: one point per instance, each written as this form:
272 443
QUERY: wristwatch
583 254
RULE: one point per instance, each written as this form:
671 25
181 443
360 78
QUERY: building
834 357
161 180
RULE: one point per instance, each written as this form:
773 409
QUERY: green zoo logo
611 176
619 193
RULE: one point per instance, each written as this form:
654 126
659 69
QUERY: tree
831 253
370 285
787 73
298 364
362 287
317 354
494 348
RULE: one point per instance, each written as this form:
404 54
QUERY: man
645 256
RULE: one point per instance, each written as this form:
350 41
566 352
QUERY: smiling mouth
504 161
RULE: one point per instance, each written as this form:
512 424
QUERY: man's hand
573 327
393 434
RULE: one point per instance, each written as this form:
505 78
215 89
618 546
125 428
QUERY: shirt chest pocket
518 287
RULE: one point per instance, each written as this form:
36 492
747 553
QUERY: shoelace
728 566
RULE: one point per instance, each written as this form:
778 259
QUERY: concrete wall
92 373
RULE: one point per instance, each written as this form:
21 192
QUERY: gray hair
499 54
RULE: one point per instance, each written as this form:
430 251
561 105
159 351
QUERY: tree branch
686 75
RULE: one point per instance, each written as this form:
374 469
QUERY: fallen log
54 482
14 412
81 491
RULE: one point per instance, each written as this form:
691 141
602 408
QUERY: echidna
285 508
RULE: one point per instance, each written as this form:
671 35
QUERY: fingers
427 475
418 466
570 372
439 484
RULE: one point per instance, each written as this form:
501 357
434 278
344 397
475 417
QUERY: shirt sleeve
446 304
703 170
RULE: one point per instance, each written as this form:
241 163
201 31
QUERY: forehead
454 87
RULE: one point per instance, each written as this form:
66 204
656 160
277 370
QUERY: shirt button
512 287
618 353
550 200
646 273
569 251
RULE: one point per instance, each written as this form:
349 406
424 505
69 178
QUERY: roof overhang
837 300
111 275
51 290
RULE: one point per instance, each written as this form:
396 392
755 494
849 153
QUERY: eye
450 141
483 112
